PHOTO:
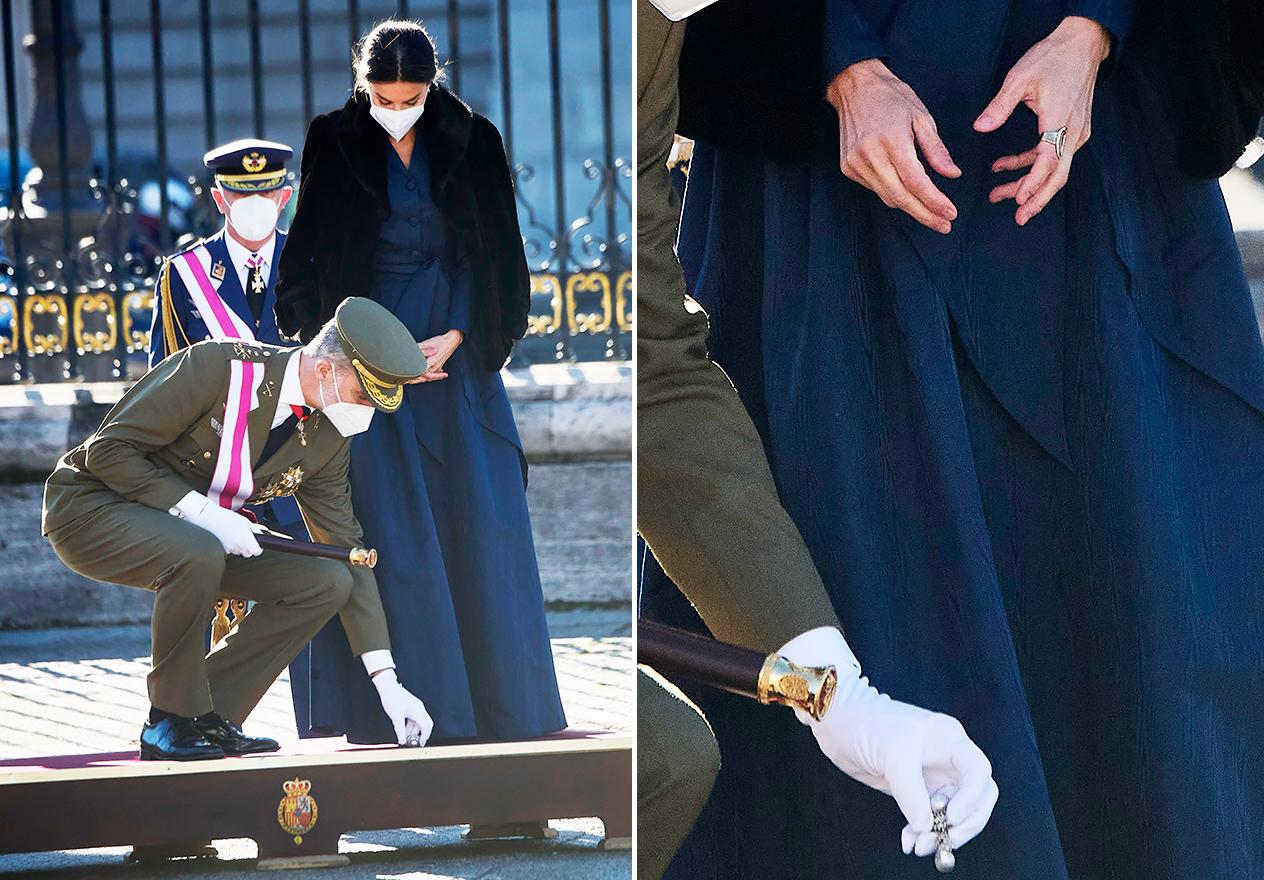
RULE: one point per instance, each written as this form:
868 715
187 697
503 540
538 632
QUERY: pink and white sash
221 321
233 482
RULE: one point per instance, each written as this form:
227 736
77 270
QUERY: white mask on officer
348 418
396 122
253 217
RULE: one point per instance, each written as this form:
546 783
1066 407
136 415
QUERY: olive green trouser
706 503
185 565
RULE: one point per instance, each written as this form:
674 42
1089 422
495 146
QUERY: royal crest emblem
286 484
254 162
297 811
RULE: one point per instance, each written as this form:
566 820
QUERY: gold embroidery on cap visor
387 396
252 182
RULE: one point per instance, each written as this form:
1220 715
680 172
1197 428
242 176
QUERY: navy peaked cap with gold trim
381 349
249 165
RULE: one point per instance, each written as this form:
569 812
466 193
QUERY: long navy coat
1027 462
439 487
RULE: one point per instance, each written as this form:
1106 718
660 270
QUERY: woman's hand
881 125
1055 79
437 350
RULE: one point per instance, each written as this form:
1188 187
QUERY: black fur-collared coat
342 204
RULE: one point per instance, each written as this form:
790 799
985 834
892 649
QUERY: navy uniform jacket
189 326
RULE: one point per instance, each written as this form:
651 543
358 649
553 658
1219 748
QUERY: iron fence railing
82 236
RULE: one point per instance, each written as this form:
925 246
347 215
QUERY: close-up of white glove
899 749
676 10
407 713
235 532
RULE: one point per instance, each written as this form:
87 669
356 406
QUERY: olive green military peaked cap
382 351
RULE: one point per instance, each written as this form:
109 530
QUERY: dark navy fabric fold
1029 464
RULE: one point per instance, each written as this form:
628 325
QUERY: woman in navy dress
439 487
1024 442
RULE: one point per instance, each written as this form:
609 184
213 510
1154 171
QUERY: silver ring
1057 137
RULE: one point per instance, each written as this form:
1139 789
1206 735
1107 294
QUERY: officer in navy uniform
224 286
233 272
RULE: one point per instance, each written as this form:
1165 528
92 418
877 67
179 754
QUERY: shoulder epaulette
174 335
245 350
190 247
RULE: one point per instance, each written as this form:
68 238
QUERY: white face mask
254 217
349 418
396 122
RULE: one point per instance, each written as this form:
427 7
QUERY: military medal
217 271
257 284
286 484
945 860
301 413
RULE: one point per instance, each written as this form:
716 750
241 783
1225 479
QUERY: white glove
901 750
407 713
675 10
234 531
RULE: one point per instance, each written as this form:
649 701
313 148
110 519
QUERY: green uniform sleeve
325 501
153 414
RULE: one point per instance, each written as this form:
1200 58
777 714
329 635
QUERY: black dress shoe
231 738
175 739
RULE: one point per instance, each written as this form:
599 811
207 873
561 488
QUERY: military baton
270 540
768 678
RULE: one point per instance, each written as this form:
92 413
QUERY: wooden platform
77 801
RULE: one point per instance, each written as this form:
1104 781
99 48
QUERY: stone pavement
75 690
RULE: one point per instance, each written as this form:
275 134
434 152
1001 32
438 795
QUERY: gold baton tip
810 688
365 556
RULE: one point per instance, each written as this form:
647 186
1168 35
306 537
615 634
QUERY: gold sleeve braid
170 317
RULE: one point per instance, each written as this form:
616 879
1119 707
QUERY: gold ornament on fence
98 341
9 309
136 301
623 302
40 304
221 623
543 325
589 322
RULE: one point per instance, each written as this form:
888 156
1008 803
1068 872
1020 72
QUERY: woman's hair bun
395 51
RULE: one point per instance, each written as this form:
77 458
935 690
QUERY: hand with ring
437 350
1055 79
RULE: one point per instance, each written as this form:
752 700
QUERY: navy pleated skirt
439 488
1094 614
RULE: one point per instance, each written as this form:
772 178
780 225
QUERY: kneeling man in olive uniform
151 499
